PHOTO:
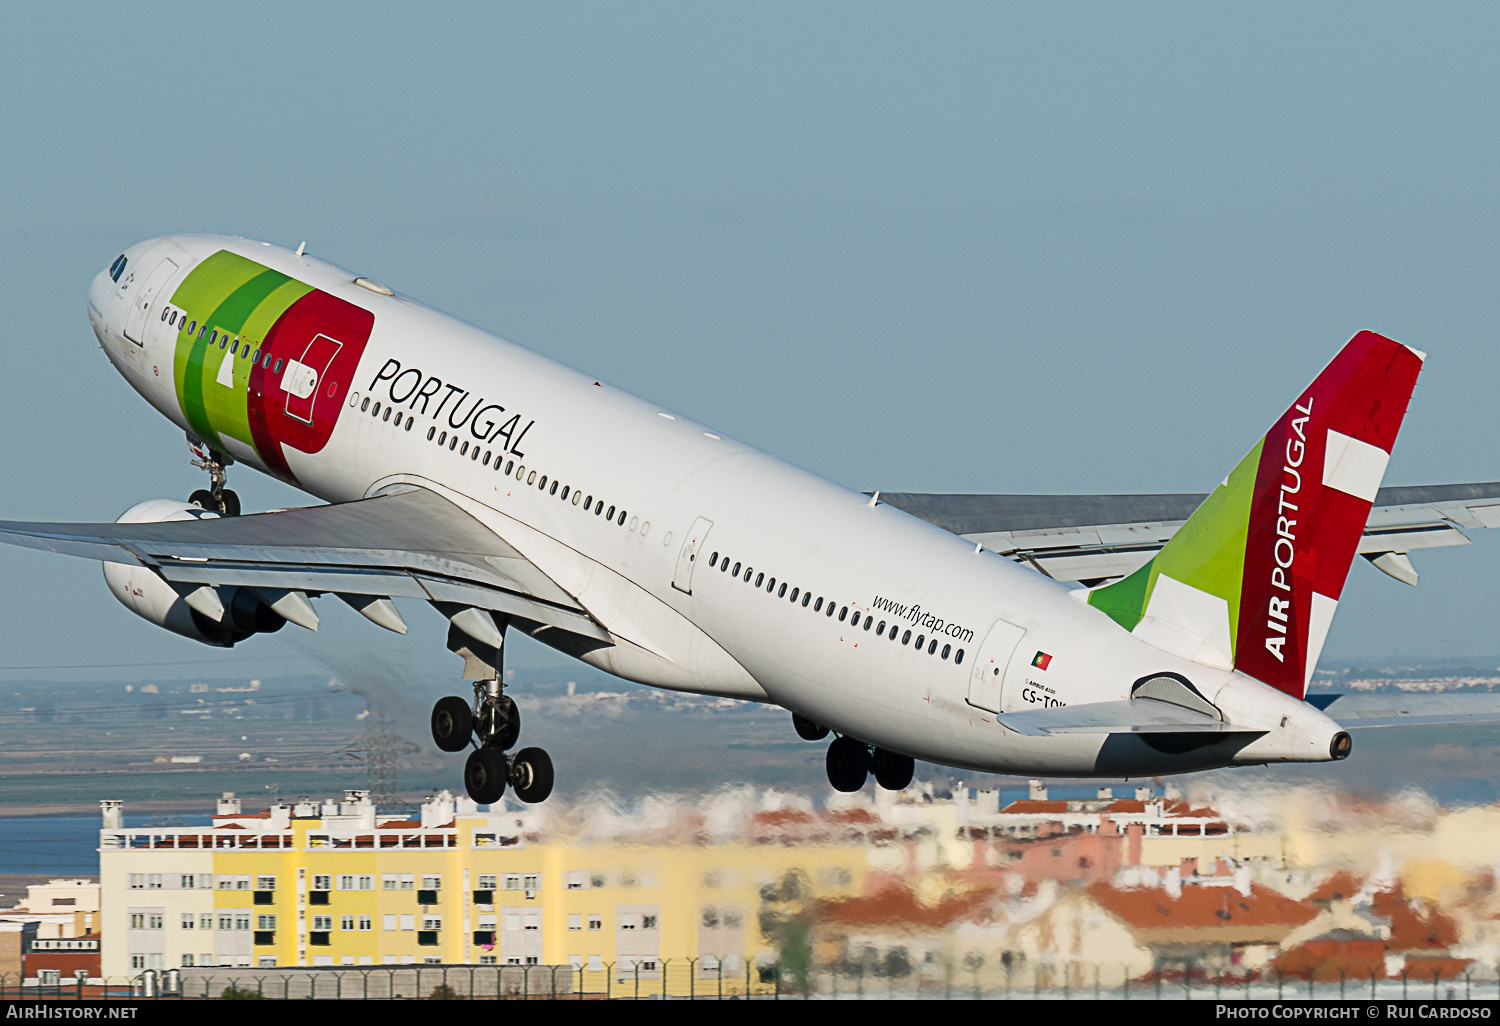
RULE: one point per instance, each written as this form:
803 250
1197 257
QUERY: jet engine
148 596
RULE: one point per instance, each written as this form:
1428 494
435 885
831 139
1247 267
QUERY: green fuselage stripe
242 300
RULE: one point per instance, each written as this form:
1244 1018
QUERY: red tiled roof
1198 908
1338 887
1414 926
897 906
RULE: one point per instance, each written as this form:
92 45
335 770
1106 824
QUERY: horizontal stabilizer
1357 711
1132 716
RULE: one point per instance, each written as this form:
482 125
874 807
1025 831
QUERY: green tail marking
1207 552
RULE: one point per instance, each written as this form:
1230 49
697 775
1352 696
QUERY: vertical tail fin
1252 579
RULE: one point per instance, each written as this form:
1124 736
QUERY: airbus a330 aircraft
1082 636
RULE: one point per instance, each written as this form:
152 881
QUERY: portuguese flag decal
1042 661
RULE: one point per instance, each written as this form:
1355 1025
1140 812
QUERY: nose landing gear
215 497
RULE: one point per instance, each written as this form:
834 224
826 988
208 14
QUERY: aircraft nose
104 297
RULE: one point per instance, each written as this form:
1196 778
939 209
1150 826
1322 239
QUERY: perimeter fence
708 979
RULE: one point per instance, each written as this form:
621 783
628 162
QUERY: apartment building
332 883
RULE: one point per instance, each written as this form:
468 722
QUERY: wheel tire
506 739
452 724
231 504
848 764
893 772
484 775
204 499
807 730
531 775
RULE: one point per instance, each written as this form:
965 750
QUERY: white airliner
1109 636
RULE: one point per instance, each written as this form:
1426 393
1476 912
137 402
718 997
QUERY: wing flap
1098 537
407 544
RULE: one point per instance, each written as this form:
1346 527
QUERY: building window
266 962
265 922
432 922
189 921
324 923
366 923
346 922
408 922
206 921
187 961
388 922
648 922
596 922
137 881
153 882
532 883
486 881
137 961
431 882
575 921
512 883
322 883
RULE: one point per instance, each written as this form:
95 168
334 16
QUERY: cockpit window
117 268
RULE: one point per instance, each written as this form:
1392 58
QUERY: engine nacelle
148 596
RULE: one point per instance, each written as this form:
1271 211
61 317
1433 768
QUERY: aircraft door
991 663
145 296
303 375
682 580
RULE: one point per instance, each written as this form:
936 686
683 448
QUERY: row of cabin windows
550 487
829 610
247 349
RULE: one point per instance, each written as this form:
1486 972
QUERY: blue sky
980 248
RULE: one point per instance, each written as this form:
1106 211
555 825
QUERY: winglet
1254 576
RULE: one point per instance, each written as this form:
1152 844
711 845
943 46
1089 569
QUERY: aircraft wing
1129 716
1096 538
411 544
1386 710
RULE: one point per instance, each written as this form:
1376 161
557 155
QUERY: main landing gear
492 724
215 497
851 762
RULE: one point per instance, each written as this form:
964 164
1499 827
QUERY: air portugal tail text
1320 468
1254 576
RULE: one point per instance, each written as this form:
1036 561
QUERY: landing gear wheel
807 730
204 499
230 506
893 772
508 714
452 724
484 775
848 764
531 775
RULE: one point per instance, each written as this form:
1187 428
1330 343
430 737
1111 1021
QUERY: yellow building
335 884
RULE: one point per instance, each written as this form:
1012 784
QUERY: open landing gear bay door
410 544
